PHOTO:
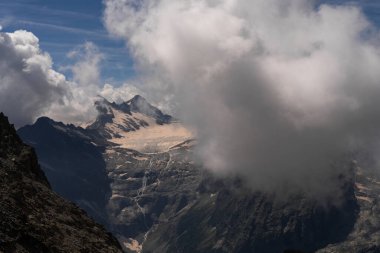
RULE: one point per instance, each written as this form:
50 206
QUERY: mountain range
133 170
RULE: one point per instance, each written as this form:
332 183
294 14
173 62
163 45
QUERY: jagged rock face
127 116
161 201
32 217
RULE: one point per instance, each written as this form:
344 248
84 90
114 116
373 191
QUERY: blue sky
62 26
370 7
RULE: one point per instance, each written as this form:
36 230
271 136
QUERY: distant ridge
137 104
136 124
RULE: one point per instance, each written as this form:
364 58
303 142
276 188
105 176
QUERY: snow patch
153 139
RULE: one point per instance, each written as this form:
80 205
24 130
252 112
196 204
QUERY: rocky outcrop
32 217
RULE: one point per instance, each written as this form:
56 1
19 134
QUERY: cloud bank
30 87
82 90
276 89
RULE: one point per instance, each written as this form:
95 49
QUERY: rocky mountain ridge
128 116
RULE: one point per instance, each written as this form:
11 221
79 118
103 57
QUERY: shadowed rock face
72 162
32 217
164 202
364 237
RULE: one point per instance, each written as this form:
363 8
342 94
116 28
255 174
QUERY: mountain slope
165 203
32 217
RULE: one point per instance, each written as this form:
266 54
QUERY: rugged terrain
365 236
32 217
142 183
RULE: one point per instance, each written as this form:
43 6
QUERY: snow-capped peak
136 124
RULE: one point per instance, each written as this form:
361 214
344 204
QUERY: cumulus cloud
85 86
119 94
28 84
276 89
30 87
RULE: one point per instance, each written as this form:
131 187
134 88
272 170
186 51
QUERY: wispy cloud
73 30
46 10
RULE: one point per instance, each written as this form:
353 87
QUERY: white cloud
28 84
86 86
30 87
276 89
119 94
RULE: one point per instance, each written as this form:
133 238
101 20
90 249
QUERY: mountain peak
44 120
136 124
137 104
137 98
140 104
9 140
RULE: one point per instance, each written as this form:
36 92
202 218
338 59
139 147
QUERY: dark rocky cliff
32 217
